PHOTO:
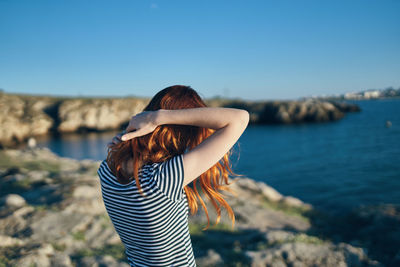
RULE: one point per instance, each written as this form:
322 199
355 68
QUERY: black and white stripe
154 228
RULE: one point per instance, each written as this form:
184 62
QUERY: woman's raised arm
229 124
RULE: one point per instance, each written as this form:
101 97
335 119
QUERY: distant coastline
23 116
370 94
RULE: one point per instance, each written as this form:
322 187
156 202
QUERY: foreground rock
52 215
22 116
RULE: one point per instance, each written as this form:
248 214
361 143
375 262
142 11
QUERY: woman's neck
128 167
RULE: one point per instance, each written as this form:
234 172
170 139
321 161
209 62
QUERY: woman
149 179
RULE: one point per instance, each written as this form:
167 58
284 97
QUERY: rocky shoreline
52 215
25 116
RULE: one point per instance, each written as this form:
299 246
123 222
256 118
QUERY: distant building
367 94
353 96
372 94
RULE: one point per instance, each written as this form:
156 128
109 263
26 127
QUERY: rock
24 211
89 207
34 260
247 184
55 225
88 262
61 260
20 118
101 261
375 227
7 241
297 263
310 110
274 112
86 192
97 114
274 236
346 107
46 249
251 209
212 258
70 226
38 175
269 192
24 117
31 142
98 234
292 201
18 177
37 257
307 254
12 225
110 261
13 201
354 255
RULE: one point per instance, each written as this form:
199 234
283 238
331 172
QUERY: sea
335 166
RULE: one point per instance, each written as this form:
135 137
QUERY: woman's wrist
159 117
208 117
172 116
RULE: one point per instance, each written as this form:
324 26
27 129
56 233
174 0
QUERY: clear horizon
255 50
200 93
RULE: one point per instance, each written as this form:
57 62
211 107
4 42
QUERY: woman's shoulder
169 176
106 173
147 170
170 162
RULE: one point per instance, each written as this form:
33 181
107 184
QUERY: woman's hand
140 124
116 139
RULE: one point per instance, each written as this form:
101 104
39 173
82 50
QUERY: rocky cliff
20 118
52 214
291 112
23 116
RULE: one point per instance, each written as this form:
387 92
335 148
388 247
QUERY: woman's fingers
131 125
129 135
140 124
116 139
139 132
129 128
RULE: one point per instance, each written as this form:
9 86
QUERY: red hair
170 140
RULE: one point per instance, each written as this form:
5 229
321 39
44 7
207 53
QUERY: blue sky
248 49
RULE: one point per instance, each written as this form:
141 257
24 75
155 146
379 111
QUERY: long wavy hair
170 140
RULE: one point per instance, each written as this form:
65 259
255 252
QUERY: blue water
335 165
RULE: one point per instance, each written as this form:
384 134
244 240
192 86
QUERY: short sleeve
169 177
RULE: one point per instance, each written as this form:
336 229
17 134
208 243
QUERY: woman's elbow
244 117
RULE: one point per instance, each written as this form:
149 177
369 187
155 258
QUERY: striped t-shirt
154 229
